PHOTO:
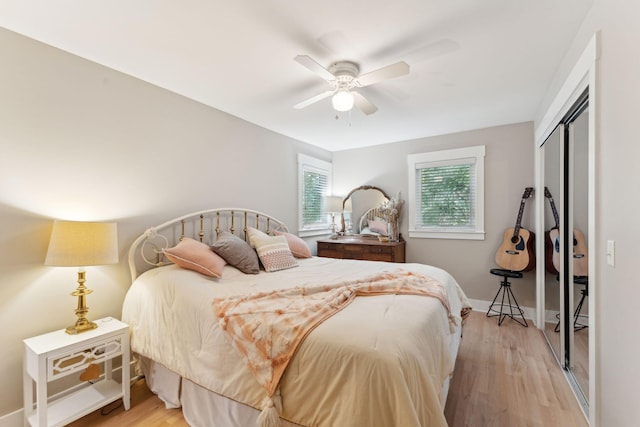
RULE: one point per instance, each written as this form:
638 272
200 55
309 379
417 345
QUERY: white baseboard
14 419
529 312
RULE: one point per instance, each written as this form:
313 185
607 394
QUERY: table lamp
81 244
333 205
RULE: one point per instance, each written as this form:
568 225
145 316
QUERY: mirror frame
362 187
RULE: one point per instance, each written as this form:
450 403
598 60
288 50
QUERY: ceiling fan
343 77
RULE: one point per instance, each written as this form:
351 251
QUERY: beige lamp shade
79 244
333 204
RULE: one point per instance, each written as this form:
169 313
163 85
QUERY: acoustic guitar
550 242
580 258
517 251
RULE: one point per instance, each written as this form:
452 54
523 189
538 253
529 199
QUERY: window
314 182
446 194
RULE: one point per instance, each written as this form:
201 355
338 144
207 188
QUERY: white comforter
382 361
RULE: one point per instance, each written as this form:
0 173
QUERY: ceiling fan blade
385 73
312 65
363 104
313 100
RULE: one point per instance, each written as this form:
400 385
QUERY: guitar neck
554 211
516 229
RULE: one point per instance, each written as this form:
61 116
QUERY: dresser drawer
362 249
381 249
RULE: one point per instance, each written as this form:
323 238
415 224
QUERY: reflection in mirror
580 201
361 200
566 177
552 178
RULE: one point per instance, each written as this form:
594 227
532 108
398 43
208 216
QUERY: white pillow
273 251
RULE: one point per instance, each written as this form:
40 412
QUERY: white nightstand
57 354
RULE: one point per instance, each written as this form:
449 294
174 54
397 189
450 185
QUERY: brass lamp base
82 324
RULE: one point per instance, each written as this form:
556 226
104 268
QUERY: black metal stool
584 281
510 308
577 325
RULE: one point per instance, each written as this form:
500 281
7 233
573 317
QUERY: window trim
305 163
477 152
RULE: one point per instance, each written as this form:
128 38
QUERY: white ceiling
473 63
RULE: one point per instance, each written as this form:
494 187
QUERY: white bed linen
345 373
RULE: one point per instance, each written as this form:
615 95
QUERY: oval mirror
358 203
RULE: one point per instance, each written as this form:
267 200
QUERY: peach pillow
194 255
378 227
298 247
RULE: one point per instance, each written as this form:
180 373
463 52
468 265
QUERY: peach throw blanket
267 328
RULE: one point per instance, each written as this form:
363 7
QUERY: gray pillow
236 252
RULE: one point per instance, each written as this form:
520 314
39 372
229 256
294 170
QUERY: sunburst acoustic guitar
580 257
517 251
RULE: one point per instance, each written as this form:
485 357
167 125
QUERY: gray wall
83 142
508 170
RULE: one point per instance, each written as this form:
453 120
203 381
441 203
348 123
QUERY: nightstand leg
126 374
27 395
41 397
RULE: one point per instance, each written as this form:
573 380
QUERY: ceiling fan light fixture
342 100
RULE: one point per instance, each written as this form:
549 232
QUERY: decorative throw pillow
197 256
274 252
253 233
378 227
298 247
236 252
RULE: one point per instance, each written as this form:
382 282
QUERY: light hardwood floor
505 376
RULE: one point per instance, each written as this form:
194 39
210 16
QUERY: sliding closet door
566 219
578 253
553 157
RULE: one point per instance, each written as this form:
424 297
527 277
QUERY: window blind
446 194
316 185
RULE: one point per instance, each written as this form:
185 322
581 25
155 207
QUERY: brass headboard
146 251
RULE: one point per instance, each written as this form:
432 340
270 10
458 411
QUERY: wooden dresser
365 248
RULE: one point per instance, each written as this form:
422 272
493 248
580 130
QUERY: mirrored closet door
565 176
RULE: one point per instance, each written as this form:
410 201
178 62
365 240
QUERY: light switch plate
611 253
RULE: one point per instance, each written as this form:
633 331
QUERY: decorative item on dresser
369 248
333 205
360 202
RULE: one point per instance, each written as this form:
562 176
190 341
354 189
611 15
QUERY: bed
378 360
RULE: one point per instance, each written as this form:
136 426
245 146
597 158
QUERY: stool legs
577 326
510 308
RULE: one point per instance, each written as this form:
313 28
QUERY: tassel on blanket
271 408
453 322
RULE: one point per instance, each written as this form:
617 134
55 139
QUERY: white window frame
320 166
415 160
